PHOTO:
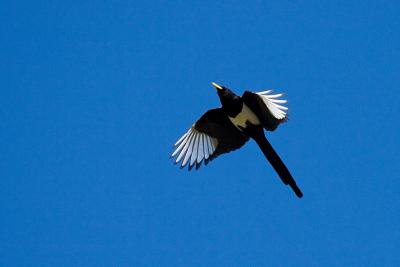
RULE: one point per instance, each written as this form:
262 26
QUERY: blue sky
93 95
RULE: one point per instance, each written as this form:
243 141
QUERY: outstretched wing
212 135
267 108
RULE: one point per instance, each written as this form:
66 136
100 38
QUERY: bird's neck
233 108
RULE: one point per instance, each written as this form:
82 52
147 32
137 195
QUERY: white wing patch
272 102
194 147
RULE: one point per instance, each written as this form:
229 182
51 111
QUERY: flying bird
222 130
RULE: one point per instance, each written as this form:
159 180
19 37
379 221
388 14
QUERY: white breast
245 115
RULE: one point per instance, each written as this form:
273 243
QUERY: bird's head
231 103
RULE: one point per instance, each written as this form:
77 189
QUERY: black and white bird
222 130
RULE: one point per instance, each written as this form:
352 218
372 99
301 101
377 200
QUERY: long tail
277 164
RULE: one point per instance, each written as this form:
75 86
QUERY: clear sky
93 94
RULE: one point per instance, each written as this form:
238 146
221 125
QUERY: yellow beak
219 87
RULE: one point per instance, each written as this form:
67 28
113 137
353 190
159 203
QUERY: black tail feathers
277 163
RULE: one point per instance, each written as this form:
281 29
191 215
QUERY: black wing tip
285 119
191 167
198 165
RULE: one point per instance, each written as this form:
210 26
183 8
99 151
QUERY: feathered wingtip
193 148
273 103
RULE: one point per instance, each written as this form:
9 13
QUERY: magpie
222 130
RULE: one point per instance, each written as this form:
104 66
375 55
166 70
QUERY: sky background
93 95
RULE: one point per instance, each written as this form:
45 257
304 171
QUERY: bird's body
244 117
225 129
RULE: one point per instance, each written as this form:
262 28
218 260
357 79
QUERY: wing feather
185 148
182 144
200 154
195 148
267 107
183 137
189 151
212 135
206 154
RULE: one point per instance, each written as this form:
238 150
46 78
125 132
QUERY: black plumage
229 127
